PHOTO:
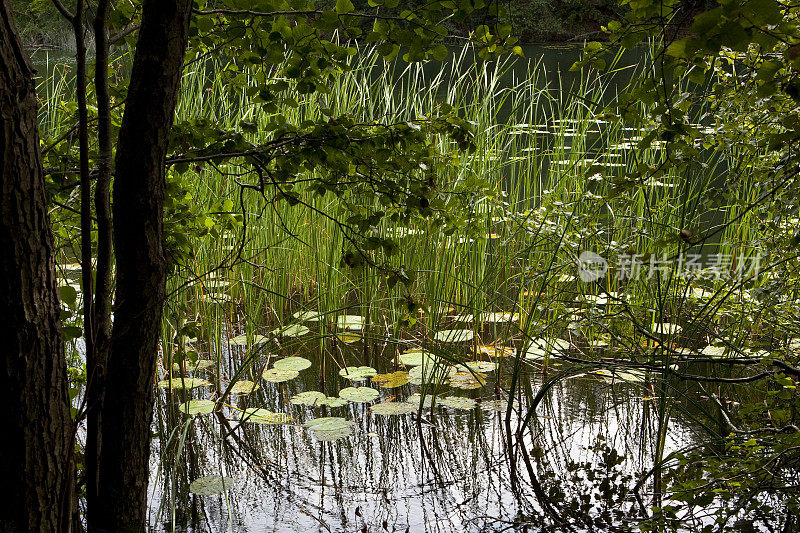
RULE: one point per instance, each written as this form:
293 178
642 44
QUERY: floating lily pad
348 338
333 401
328 423
210 485
197 407
481 366
594 299
457 402
392 380
466 380
454 335
352 322
536 353
292 363
179 382
332 435
430 374
427 402
417 357
263 416
499 317
358 394
393 408
243 387
292 330
276 375
188 366
241 340
357 373
496 351
311 398
307 316
714 351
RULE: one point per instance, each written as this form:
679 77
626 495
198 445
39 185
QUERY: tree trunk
35 450
141 266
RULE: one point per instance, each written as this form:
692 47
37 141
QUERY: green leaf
344 6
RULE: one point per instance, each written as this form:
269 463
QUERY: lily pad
430 374
499 317
292 330
197 407
276 375
417 357
210 485
348 338
328 423
333 401
241 340
307 316
392 380
292 363
332 435
243 387
466 380
457 402
496 351
357 373
393 408
494 405
200 364
352 322
264 416
481 366
358 394
454 335
179 382
311 398
714 351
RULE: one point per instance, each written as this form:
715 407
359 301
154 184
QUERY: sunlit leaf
454 335
197 407
210 485
263 416
276 375
392 380
179 382
292 363
357 373
358 394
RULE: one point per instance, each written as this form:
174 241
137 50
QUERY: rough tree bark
141 266
35 494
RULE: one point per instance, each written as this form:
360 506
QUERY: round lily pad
241 340
714 351
307 316
292 363
499 317
311 397
348 338
358 394
393 408
197 407
481 366
210 485
466 380
328 423
454 335
352 322
243 387
179 382
200 364
276 375
292 330
457 402
357 373
392 380
417 357
333 401
332 435
263 416
497 351
430 374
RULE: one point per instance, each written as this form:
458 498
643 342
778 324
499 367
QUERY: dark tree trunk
35 448
141 266
101 311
